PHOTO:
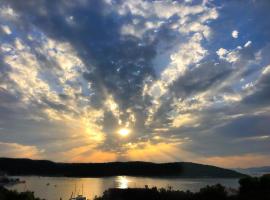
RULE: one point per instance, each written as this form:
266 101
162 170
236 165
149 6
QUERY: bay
54 188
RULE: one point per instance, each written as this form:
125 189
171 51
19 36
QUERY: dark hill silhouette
48 168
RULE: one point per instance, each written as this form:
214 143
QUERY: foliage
255 188
250 188
13 195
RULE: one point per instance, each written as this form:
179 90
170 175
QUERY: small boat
79 196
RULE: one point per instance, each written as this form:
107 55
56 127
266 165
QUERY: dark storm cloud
4 69
6 97
261 94
246 126
216 145
201 78
53 105
222 133
117 64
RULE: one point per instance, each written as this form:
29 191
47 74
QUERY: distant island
257 171
13 166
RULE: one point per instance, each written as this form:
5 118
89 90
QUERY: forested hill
48 168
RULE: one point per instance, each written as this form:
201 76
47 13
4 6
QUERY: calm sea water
54 188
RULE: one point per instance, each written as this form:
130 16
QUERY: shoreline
248 188
135 176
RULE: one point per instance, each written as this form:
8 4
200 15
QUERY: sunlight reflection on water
122 182
54 188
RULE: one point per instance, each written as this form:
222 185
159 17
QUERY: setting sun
124 132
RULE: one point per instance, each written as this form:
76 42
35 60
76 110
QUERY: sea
56 188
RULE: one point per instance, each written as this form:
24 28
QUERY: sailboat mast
82 189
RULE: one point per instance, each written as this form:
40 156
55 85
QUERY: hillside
49 168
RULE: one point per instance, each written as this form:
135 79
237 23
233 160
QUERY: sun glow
124 132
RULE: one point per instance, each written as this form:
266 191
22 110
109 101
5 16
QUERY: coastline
249 188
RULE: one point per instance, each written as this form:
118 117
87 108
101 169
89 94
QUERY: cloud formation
73 74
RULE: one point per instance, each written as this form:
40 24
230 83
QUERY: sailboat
79 196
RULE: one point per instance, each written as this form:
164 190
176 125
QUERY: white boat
79 197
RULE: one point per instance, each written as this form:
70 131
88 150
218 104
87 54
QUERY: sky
126 80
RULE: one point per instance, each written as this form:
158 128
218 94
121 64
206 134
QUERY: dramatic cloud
190 80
